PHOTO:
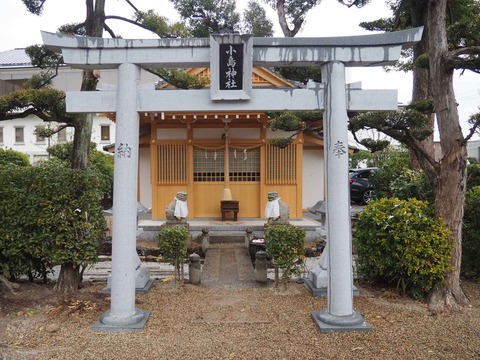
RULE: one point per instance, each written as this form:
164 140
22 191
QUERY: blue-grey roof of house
14 59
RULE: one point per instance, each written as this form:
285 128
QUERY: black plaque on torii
231 67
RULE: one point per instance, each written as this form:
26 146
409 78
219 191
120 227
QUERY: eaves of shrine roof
261 77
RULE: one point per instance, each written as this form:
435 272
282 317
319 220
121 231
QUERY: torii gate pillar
339 315
123 314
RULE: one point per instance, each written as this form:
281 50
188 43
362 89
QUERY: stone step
226 238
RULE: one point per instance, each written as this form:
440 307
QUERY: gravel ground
196 322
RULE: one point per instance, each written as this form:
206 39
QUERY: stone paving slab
228 265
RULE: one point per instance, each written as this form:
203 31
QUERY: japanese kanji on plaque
231 67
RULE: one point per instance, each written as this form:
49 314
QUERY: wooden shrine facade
186 152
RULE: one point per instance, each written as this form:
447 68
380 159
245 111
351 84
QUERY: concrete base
136 322
138 290
316 292
322 291
328 323
143 282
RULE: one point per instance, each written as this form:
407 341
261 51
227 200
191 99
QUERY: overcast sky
20 29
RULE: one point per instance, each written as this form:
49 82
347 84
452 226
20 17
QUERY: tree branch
33 111
131 4
464 58
109 30
133 22
475 121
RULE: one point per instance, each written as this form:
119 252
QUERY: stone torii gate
231 90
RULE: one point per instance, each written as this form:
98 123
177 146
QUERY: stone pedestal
143 282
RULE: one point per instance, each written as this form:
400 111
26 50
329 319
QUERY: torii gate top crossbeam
364 50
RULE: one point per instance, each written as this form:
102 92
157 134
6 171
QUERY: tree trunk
282 20
81 142
450 187
421 89
69 277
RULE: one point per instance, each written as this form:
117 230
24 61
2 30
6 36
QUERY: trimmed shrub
401 242
12 157
51 215
172 241
285 245
471 234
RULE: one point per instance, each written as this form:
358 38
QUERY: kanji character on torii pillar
333 54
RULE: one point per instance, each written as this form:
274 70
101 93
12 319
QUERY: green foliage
100 163
473 174
395 124
47 103
471 234
358 158
285 244
45 59
204 17
42 57
401 242
12 157
292 121
464 23
411 184
281 142
51 215
172 241
422 61
391 162
63 151
474 120
301 74
299 118
34 6
256 22
287 121
423 106
73 29
180 78
394 178
160 25
375 145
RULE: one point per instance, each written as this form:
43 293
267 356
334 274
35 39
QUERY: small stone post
205 240
195 269
261 266
248 237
